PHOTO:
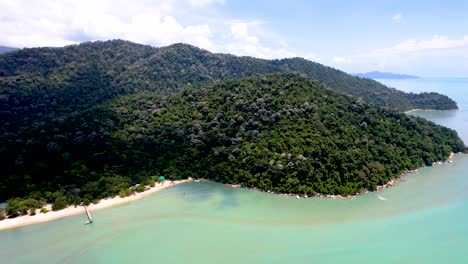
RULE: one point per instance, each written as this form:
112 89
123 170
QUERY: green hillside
87 121
279 132
41 84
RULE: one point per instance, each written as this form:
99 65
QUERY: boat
88 214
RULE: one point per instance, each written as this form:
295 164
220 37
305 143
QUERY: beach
75 210
108 202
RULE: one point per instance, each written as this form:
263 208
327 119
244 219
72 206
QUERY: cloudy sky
426 38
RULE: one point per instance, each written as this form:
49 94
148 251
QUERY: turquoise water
422 220
455 88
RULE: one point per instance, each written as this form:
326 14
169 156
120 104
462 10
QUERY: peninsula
89 121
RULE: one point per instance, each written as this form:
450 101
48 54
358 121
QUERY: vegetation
18 206
279 132
43 84
4 49
140 188
125 193
89 121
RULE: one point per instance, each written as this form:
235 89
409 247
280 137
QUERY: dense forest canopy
42 84
280 132
88 121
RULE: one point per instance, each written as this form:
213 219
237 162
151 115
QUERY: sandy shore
72 210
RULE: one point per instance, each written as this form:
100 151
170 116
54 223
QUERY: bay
420 220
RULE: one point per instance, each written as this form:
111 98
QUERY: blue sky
427 38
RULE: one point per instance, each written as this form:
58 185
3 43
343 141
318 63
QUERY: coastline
378 188
39 217
432 110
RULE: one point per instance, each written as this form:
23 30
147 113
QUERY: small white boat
88 214
382 198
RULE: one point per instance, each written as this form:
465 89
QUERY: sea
423 219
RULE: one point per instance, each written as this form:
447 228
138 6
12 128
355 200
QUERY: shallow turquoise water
422 220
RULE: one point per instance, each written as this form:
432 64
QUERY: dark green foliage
2 213
18 206
279 132
140 188
371 91
179 66
125 193
149 182
59 204
66 127
44 84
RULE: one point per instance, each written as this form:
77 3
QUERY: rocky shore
379 187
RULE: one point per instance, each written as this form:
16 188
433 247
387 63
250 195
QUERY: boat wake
382 198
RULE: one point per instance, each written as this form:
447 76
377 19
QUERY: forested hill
384 75
42 84
180 65
4 49
279 132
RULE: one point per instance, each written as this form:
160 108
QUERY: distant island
4 49
384 75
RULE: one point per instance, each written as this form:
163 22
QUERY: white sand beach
72 210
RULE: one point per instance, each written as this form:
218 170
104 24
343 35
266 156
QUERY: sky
426 38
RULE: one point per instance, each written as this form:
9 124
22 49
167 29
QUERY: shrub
125 193
151 182
59 204
140 188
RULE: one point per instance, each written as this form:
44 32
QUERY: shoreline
379 188
39 217
432 110
10 223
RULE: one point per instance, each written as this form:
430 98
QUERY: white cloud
436 56
26 23
396 18
242 41
340 60
413 45
312 57
205 2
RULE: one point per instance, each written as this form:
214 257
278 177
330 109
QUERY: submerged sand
75 210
